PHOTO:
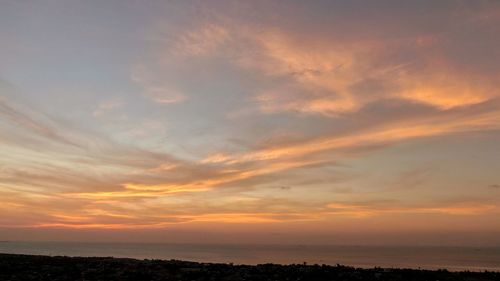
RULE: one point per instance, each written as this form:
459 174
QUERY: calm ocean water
451 258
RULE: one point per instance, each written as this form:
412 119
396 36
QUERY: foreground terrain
25 267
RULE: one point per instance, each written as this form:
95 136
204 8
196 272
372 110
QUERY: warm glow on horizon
180 118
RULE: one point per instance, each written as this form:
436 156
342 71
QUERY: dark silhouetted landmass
24 267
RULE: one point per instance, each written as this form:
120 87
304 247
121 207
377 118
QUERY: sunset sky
340 122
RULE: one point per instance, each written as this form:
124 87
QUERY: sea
423 257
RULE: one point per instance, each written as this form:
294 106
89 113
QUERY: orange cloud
366 210
327 75
132 190
392 133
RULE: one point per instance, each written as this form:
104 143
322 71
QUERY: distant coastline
60 268
430 258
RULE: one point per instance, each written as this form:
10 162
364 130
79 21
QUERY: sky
321 122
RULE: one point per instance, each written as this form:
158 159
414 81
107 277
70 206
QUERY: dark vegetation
24 267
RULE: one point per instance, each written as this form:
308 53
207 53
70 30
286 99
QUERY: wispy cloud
155 88
248 118
366 210
450 122
202 41
107 106
32 123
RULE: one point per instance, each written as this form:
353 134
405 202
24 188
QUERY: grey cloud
31 124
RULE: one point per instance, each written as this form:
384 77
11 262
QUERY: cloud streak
377 118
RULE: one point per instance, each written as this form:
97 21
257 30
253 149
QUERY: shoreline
40 267
413 257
